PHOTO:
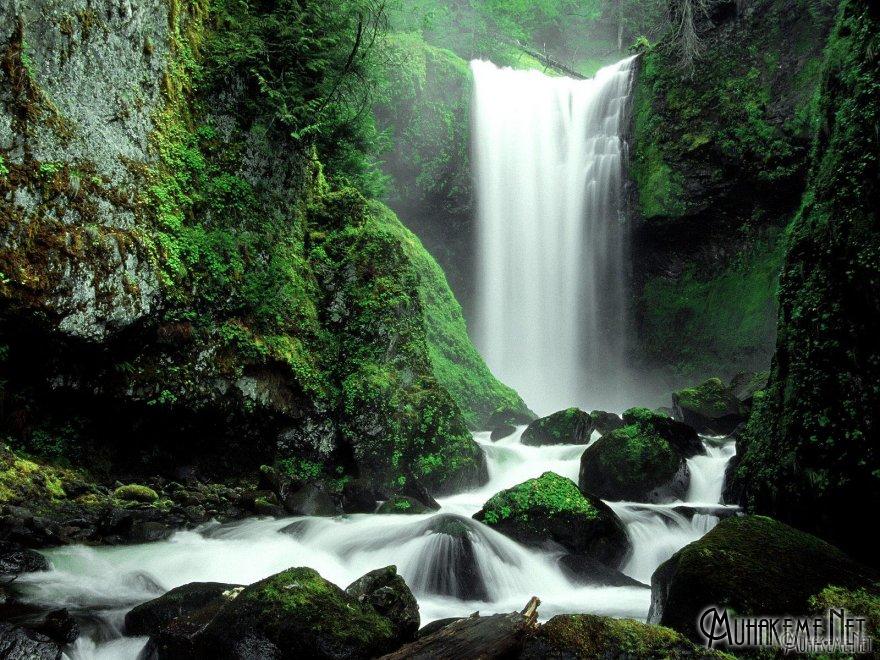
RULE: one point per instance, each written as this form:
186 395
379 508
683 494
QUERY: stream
451 573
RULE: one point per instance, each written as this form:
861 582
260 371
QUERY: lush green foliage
811 445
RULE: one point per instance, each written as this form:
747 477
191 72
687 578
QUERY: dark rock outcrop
586 570
405 504
151 617
550 511
810 453
18 643
605 422
752 565
566 427
389 595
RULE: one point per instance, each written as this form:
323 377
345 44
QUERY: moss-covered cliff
810 453
181 286
718 163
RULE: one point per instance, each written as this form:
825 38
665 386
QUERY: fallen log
477 637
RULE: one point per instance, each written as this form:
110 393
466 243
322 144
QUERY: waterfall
552 297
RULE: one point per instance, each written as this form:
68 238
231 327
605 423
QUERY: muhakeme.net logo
836 631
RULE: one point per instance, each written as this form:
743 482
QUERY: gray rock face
82 83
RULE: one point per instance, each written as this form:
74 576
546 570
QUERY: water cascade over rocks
453 564
552 316
553 324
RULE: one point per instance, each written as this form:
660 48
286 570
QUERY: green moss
856 602
26 482
136 493
697 321
711 398
810 447
547 495
590 636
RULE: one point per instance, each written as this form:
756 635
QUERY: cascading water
554 325
552 315
454 564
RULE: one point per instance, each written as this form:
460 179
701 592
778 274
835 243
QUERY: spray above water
552 317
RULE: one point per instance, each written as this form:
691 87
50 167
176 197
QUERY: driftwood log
477 637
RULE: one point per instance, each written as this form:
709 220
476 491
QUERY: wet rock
501 431
745 384
310 500
643 461
59 626
566 427
22 561
589 636
295 614
752 565
508 417
18 643
710 407
605 422
177 640
359 496
550 511
586 570
389 595
404 504
151 617
450 568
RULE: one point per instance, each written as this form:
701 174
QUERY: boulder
710 407
296 614
501 431
136 493
310 500
451 568
550 511
404 504
643 461
22 561
59 626
509 417
17 643
387 593
151 617
605 422
572 426
752 565
590 636
586 570
745 384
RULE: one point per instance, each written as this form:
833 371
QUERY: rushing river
488 572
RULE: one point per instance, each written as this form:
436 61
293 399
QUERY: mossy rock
605 422
585 636
752 565
572 426
861 602
136 493
387 593
151 617
403 504
710 407
296 614
551 511
643 461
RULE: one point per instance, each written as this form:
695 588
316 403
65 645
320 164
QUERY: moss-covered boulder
860 602
572 426
386 592
296 614
404 504
583 636
710 407
752 565
136 493
550 511
643 461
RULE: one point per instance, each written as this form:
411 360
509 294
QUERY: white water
552 316
103 583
